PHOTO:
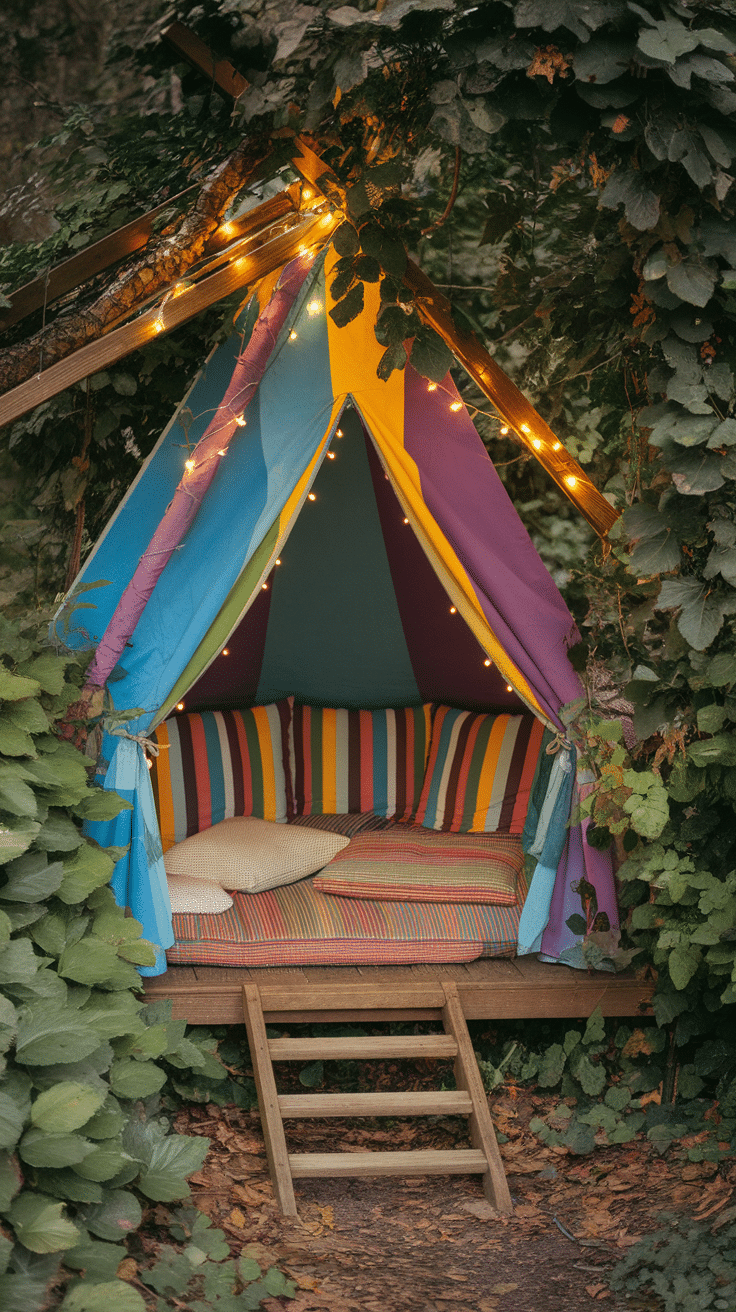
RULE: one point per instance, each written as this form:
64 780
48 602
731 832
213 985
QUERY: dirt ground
435 1244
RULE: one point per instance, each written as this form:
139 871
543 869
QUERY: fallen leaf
236 1218
503 1289
476 1207
328 1217
128 1269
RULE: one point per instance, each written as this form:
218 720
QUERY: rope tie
149 745
559 741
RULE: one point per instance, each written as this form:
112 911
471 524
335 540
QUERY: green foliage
80 1137
684 1265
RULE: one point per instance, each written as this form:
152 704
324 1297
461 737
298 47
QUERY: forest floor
435 1244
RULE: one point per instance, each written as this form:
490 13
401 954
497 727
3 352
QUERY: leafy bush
686 1265
82 1141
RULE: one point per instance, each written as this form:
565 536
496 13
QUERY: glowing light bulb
227 230
453 610
537 443
431 387
293 336
312 497
330 455
278 562
189 464
456 405
556 446
149 762
180 706
313 308
241 263
405 520
326 220
525 428
307 194
264 587
158 325
241 421
226 651
503 431
338 433
223 452
488 661
571 480
509 688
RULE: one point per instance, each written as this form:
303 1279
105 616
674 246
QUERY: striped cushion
480 772
415 865
345 761
297 925
217 764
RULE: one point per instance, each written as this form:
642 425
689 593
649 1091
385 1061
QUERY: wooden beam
126 241
221 71
115 345
517 413
86 264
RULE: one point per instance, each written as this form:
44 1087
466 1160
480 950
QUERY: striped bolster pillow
347 761
480 772
216 764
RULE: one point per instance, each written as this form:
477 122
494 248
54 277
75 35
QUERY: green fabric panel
220 630
335 636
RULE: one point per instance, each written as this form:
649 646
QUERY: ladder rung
452 1102
458 1161
363 1047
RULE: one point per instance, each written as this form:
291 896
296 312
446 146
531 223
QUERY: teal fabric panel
334 635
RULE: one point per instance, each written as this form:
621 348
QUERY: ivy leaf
695 472
345 240
172 1160
53 1151
30 878
50 1034
666 41
115 1217
430 355
349 307
722 670
394 357
693 280
630 189
110 1296
135 1079
13 687
682 964
66 1106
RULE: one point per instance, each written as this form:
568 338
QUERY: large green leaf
40 1224
49 1034
30 878
430 356
50 1151
135 1079
10 1179
630 188
100 804
27 714
106 1161
88 869
115 1217
59 834
667 40
47 671
112 1296
693 280
18 963
13 687
91 961
14 741
682 963
15 795
171 1160
11 1121
65 1107
98 1260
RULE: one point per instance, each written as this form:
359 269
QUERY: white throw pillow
198 896
251 855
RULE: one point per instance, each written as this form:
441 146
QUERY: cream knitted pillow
197 896
251 855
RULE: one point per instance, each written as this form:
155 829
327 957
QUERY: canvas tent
346 540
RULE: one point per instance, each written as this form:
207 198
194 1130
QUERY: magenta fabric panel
469 502
185 503
579 861
447 659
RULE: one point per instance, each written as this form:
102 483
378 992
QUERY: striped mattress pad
298 925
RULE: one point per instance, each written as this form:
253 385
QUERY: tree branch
164 260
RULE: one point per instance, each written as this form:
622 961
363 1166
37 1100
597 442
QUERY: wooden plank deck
500 989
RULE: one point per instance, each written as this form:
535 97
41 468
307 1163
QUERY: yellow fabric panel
354 357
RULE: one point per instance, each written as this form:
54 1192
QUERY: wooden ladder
469 1099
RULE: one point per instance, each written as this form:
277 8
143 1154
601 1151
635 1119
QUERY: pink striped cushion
480 772
415 865
348 761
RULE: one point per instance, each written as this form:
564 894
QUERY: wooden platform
498 989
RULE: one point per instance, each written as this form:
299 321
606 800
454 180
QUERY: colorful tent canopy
346 540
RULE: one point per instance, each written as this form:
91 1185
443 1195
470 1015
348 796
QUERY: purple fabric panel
233 680
446 657
471 506
578 860
185 503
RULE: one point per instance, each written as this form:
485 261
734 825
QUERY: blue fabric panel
131 528
335 636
